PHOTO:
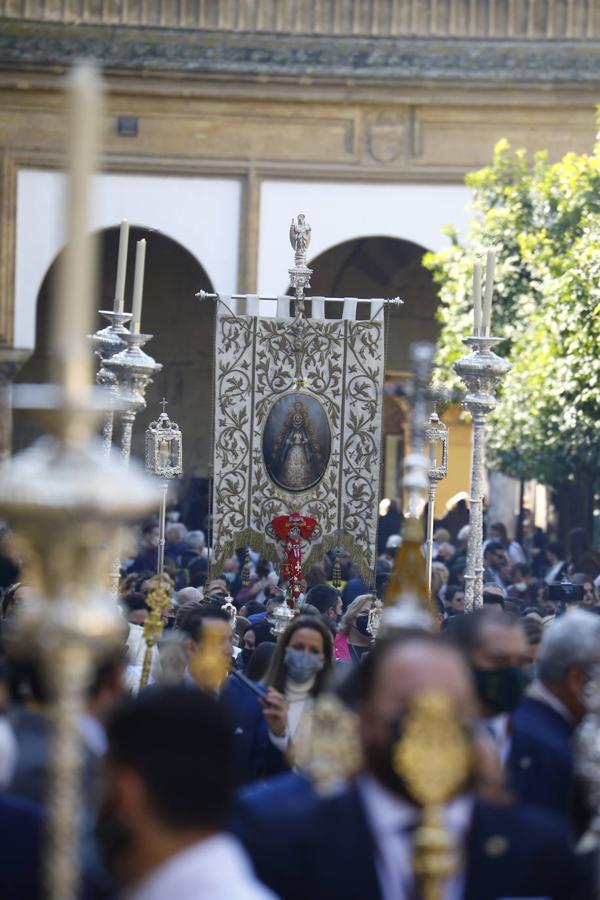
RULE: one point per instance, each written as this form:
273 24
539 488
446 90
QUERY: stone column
11 361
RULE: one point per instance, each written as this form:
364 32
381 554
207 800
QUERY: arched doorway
383 267
183 342
389 267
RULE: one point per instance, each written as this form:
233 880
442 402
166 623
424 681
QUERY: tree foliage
543 220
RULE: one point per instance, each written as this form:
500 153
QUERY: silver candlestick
481 371
106 343
134 370
436 435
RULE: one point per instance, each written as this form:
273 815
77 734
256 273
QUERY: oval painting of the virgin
296 442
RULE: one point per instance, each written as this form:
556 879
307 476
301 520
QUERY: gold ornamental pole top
434 758
407 602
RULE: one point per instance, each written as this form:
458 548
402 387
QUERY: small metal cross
163 404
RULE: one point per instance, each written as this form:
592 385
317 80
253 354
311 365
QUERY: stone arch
183 331
383 266
168 204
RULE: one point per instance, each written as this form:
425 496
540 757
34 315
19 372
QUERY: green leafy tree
544 222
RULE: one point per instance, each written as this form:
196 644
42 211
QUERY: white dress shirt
499 729
93 734
213 869
9 753
392 821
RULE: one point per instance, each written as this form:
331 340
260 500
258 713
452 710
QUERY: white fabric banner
298 409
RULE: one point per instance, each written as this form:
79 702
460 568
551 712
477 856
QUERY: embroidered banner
297 428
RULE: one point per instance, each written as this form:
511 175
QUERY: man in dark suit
20 849
254 754
541 759
358 845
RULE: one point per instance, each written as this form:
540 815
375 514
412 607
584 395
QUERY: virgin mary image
296 458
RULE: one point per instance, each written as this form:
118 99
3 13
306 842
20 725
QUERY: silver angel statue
300 238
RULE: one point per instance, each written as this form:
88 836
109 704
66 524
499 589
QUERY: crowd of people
193 793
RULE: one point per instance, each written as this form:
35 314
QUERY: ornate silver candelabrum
106 342
164 460
282 616
436 435
134 370
374 620
587 768
67 500
481 371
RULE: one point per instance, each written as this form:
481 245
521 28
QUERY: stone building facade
226 117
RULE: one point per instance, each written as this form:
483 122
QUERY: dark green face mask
501 689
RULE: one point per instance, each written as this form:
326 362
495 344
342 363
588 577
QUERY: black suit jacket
540 763
20 849
327 852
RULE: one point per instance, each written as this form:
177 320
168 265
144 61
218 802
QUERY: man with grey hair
541 762
194 560
187 595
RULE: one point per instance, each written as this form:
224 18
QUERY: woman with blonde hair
439 579
353 639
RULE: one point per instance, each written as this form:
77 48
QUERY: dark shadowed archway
183 342
383 267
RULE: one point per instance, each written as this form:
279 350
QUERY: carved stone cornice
529 19
377 59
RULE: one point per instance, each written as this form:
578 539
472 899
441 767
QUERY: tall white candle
121 267
489 290
138 286
74 305
477 297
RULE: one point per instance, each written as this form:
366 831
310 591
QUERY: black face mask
361 624
380 761
501 689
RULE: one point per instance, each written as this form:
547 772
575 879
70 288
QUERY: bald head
397 672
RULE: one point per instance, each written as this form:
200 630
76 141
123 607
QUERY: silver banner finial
300 274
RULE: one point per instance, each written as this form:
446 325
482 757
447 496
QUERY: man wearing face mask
541 762
358 845
231 574
328 601
147 557
495 647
